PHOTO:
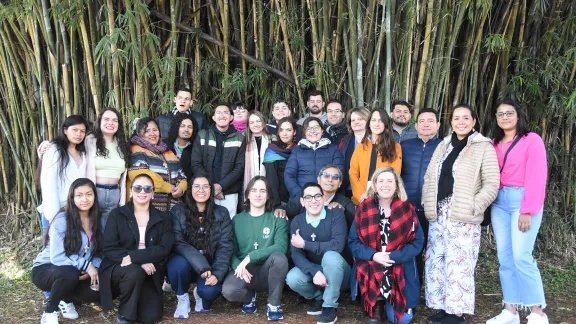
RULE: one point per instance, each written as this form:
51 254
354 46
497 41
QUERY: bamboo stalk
89 65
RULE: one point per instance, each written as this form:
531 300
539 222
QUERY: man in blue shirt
416 155
401 114
318 239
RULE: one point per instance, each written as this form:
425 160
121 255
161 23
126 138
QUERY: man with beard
401 114
315 104
336 120
181 135
183 101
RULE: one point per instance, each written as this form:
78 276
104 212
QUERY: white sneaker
49 318
183 307
537 319
199 307
68 310
167 287
506 317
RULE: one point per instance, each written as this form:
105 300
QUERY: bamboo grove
60 57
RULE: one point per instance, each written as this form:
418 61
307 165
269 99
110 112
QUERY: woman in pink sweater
517 214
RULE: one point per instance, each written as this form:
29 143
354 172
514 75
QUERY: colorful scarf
403 225
277 151
158 149
240 125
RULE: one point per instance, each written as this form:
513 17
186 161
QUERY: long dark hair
269 200
120 138
175 126
521 128
193 223
61 142
72 237
386 146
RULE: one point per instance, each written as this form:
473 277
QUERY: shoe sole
183 316
276 319
334 321
314 313
254 312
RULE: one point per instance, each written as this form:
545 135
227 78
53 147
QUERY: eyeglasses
139 188
316 197
198 187
335 111
335 176
314 129
225 113
240 109
509 113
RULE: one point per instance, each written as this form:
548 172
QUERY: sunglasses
138 189
335 176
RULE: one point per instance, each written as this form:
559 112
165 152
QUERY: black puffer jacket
221 242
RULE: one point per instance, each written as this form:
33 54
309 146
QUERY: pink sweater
526 167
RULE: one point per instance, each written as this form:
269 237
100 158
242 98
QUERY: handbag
488 212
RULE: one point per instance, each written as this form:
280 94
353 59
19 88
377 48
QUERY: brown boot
377 311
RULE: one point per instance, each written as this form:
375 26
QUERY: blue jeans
337 273
180 275
519 275
108 199
407 318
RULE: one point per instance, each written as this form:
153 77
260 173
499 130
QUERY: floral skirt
450 261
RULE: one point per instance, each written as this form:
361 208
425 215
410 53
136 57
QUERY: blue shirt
315 222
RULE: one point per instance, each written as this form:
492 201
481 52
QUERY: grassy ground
21 301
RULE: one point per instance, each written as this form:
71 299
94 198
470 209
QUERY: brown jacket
476 180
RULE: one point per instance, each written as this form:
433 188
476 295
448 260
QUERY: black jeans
139 299
269 277
420 258
63 283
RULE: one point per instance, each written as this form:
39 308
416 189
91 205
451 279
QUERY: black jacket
232 168
221 242
275 176
121 238
165 120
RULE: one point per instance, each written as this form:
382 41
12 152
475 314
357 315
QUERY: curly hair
193 223
120 138
175 126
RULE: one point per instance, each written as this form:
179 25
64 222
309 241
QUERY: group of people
338 200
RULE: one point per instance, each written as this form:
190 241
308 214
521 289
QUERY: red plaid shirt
403 225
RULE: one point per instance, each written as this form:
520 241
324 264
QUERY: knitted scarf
158 148
446 178
240 125
403 225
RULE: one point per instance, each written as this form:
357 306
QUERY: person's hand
297 240
149 268
280 213
524 222
83 276
93 273
383 258
217 189
177 192
206 274
320 279
43 147
212 280
126 261
334 204
219 196
363 197
241 271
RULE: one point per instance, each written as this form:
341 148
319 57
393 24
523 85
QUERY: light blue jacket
55 254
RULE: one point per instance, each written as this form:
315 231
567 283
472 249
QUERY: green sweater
269 232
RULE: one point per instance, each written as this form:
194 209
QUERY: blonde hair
248 132
400 190
363 112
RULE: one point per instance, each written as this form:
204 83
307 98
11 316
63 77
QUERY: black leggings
63 284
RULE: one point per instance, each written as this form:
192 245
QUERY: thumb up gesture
297 240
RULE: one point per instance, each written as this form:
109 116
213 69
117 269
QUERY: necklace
254 233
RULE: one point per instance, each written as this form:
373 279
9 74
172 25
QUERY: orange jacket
360 166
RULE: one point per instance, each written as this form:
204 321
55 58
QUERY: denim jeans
108 199
406 318
519 275
180 274
337 273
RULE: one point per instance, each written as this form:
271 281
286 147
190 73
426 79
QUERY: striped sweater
164 170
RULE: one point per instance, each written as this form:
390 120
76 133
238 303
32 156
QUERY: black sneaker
316 308
328 316
453 319
437 316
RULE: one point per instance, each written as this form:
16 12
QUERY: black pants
269 277
420 258
139 299
63 284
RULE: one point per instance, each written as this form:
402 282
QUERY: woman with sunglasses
312 153
203 247
68 265
276 157
137 239
151 156
378 149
